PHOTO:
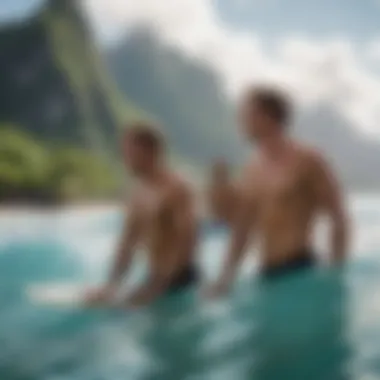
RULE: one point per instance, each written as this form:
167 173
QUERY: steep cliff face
59 114
52 82
34 93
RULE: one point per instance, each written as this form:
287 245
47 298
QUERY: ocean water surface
320 325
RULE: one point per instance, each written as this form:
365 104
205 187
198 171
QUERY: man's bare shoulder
179 188
310 156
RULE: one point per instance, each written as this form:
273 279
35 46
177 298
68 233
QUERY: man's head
220 171
264 111
143 148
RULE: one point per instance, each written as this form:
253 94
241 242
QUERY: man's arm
241 231
129 239
330 198
211 205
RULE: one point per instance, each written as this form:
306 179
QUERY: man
222 194
284 188
161 218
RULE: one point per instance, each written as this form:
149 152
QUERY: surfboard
71 295
57 294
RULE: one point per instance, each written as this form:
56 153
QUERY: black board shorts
184 279
298 261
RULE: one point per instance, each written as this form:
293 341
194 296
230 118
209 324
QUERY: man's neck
220 183
155 176
274 146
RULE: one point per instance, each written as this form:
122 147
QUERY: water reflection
301 329
296 328
291 329
173 338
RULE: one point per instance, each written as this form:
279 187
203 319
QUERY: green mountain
62 97
31 172
53 81
57 102
185 96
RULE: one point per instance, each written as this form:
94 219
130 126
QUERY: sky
325 51
17 9
321 51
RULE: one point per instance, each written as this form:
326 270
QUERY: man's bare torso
156 213
285 205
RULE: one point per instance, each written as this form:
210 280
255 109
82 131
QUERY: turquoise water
320 325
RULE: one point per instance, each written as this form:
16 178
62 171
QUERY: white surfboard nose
56 294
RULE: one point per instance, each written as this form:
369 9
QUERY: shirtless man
222 194
161 219
285 186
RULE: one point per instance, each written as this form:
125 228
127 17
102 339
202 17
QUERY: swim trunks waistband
301 260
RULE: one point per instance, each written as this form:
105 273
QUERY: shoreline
22 207
19 208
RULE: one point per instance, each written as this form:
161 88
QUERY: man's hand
217 290
241 231
102 296
142 297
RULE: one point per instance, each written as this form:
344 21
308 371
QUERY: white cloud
313 70
374 51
